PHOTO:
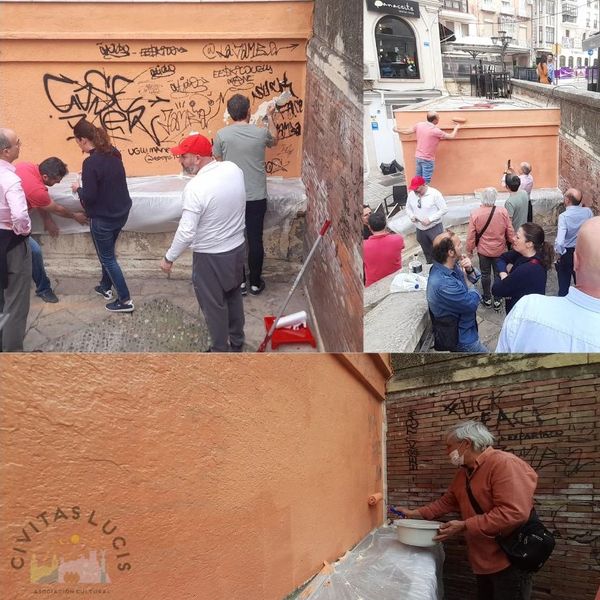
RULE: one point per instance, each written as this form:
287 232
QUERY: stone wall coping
591 99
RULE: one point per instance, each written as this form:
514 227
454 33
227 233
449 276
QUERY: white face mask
457 459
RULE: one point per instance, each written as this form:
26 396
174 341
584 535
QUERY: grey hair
526 168
4 141
488 196
475 431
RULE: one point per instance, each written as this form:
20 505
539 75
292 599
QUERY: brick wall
332 173
549 418
579 136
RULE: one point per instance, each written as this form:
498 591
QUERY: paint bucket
415 532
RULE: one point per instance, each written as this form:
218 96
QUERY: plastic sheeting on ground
382 568
157 203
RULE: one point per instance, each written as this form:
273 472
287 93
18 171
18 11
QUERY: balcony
456 5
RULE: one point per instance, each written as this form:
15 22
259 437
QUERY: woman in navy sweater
105 199
524 269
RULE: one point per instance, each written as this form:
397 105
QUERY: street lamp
502 40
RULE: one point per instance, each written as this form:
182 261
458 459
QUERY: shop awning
592 42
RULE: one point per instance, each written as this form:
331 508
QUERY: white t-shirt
214 207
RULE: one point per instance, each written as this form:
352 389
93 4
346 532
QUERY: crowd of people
224 204
513 261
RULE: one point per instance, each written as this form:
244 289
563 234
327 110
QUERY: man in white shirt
561 324
425 206
212 224
15 254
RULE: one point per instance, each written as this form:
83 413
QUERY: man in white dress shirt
425 206
561 324
15 253
212 223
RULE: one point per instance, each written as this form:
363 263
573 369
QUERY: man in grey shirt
244 144
517 204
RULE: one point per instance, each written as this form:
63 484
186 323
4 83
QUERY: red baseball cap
416 182
193 144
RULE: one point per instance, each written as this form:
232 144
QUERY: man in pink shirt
503 485
428 138
490 231
382 252
15 254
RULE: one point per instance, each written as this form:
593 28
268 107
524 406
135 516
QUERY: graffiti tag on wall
154 107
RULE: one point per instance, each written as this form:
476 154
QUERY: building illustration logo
71 547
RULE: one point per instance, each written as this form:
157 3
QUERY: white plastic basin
415 532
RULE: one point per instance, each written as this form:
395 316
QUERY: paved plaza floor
167 317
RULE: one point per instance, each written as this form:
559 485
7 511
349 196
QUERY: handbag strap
474 502
479 235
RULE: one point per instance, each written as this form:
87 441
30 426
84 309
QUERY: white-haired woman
490 230
503 486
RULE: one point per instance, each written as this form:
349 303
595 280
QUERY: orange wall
477 157
227 477
161 71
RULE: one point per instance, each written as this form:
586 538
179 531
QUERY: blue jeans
38 272
104 234
472 347
424 169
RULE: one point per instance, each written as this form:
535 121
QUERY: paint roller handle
325 228
396 512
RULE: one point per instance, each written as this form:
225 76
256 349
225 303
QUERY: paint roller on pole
271 331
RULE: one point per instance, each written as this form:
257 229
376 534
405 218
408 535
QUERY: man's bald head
525 168
432 116
9 145
587 258
573 196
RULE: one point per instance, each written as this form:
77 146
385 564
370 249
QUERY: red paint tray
289 336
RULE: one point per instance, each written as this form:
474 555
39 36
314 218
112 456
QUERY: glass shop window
396 49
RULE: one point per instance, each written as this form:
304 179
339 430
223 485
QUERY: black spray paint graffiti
412 428
113 50
102 98
487 410
190 85
188 115
241 70
244 50
154 51
586 536
277 165
162 71
569 460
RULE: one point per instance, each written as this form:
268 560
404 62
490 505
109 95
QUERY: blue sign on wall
590 52
374 125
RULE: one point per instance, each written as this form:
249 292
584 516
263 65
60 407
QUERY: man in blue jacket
449 294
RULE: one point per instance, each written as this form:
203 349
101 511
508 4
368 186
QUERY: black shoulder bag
445 332
529 546
479 235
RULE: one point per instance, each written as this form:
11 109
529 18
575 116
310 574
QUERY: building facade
402 65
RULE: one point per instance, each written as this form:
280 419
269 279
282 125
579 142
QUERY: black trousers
509 584
564 268
255 218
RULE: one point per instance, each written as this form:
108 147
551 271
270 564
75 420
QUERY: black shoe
497 305
234 348
106 294
244 289
118 306
255 291
49 296
487 302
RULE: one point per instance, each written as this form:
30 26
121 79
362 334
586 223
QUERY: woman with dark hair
524 269
105 198
542 70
